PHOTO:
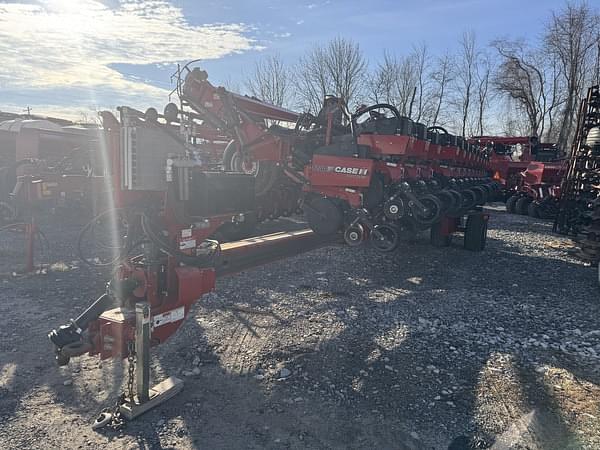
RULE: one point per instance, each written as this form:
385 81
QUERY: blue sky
65 56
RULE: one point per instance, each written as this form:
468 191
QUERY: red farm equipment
372 175
536 192
529 171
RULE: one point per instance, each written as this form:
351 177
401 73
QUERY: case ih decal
340 171
351 171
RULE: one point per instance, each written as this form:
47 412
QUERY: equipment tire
458 201
373 197
469 199
384 238
547 209
476 232
323 216
521 205
447 200
533 210
510 204
265 173
354 235
228 153
394 209
434 207
481 195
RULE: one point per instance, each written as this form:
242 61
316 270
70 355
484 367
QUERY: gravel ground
338 348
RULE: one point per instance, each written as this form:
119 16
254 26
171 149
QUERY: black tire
533 210
323 216
374 195
384 238
394 209
480 195
228 153
487 188
469 199
438 239
458 201
548 209
449 202
354 235
521 205
265 173
434 210
510 204
476 232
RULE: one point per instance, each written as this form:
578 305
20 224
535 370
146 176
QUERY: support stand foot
158 394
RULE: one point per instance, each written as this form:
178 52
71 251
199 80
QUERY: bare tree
520 77
483 74
270 81
312 79
441 77
465 69
337 68
556 95
572 36
420 56
382 83
511 118
405 84
402 82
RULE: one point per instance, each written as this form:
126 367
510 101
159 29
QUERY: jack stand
146 398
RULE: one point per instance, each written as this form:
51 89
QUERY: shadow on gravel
408 381
221 409
388 366
369 342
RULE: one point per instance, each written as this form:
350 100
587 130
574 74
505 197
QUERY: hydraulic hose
89 226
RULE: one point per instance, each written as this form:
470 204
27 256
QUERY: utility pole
28 109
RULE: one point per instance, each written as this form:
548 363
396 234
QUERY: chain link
117 421
131 370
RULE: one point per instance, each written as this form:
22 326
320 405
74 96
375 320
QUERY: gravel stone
442 343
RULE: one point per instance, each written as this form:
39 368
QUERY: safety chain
112 417
130 369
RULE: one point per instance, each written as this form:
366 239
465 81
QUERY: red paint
339 171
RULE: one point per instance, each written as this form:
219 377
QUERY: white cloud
71 45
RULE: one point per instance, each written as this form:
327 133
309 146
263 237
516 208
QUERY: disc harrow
579 204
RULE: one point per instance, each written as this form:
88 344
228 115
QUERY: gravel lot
338 348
